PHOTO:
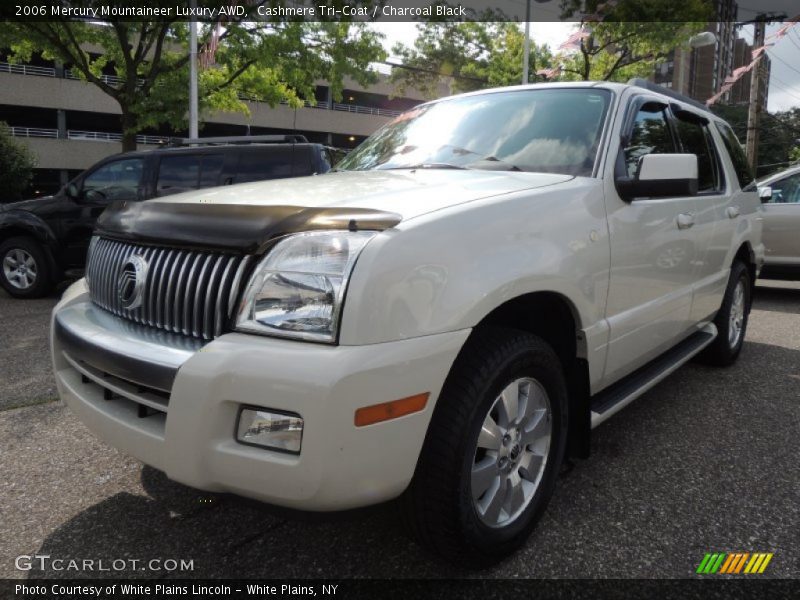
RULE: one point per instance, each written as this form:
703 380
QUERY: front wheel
493 449
25 272
731 320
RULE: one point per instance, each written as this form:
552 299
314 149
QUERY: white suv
443 318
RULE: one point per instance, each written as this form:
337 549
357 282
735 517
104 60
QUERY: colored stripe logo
734 563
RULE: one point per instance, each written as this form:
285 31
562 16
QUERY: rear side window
650 135
744 173
210 170
180 173
265 163
696 139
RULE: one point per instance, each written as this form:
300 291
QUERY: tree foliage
275 61
16 166
778 137
475 55
631 37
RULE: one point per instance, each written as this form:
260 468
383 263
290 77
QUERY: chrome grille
190 292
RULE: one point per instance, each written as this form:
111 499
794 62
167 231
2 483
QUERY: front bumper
187 429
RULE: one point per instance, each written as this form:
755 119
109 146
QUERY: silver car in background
780 194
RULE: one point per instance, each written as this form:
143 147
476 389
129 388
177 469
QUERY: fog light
270 429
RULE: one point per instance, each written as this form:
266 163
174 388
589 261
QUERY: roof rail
654 87
240 139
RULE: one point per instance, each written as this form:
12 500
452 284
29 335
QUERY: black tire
724 350
439 504
42 282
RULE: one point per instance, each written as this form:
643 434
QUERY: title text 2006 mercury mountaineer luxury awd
484 280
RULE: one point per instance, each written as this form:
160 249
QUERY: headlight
298 288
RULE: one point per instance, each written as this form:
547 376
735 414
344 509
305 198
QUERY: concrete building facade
71 124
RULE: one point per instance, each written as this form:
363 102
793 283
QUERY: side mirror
661 176
72 191
765 193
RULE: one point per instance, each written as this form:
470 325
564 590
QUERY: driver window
118 180
786 191
650 135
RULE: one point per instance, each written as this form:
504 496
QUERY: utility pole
754 109
527 48
193 129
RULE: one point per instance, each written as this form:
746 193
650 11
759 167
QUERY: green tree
274 61
475 54
778 137
16 166
631 37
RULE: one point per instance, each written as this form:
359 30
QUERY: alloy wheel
511 452
736 322
20 268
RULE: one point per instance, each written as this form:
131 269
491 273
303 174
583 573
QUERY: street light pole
527 47
193 129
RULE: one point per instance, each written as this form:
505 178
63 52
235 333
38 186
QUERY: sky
784 90
784 81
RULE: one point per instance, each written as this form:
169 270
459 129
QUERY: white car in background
780 194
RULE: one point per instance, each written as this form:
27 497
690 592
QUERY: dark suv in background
44 240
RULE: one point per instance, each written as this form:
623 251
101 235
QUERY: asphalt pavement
705 462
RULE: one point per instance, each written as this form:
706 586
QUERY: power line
775 56
788 86
786 90
794 43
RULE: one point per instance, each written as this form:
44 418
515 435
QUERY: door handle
685 220
732 212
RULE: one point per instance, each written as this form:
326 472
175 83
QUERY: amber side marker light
390 410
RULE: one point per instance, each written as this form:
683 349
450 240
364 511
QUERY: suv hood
34 205
247 216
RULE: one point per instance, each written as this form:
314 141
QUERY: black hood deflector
247 228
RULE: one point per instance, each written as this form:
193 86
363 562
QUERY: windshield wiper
435 165
459 150
495 164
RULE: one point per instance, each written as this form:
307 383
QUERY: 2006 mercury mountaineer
442 319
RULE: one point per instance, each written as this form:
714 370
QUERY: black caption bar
210 11
351 10
485 589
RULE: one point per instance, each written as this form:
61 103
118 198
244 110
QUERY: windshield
545 130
